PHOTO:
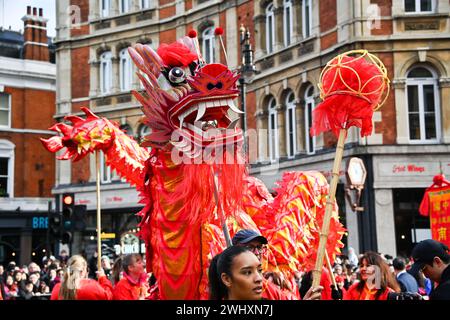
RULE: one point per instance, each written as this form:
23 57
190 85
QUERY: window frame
7 151
287 23
106 63
420 82
8 109
208 36
305 26
291 106
417 6
273 135
124 6
270 46
105 11
105 170
125 70
310 104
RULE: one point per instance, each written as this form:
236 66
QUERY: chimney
35 35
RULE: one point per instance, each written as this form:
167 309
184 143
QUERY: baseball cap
246 235
425 251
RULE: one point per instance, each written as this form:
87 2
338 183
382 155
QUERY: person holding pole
77 286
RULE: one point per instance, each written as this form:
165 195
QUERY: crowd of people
237 274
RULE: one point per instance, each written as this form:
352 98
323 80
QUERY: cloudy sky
12 11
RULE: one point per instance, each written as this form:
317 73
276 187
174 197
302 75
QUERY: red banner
436 204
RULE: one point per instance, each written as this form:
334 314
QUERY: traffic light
78 219
68 205
55 225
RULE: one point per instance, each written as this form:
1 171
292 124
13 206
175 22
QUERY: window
124 6
423 105
287 22
105 171
306 14
273 130
290 125
125 70
309 107
144 4
106 72
208 45
6 169
105 6
419 6
270 29
5 107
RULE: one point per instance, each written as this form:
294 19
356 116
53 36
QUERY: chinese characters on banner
436 204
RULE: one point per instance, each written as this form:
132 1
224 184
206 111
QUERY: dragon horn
73 119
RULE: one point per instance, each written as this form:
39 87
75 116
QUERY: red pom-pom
192 34
218 31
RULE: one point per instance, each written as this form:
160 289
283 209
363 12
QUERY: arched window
124 6
6 169
309 107
208 45
422 96
273 129
270 29
5 110
105 7
106 72
290 125
307 18
287 22
125 70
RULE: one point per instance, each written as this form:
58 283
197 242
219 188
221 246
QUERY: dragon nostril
219 85
210 86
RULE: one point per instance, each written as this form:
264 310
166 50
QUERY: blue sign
40 223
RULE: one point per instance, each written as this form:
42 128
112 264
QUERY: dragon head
187 103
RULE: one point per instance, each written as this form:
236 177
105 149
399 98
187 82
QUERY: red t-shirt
354 294
126 290
89 290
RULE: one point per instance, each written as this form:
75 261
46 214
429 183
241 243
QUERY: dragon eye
176 75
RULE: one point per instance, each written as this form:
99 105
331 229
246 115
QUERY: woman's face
18 276
9 281
246 278
367 270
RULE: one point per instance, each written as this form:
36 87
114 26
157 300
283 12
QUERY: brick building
27 170
292 40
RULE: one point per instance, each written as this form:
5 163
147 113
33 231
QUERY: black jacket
442 291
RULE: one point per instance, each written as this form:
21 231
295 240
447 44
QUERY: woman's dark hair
222 263
386 277
116 270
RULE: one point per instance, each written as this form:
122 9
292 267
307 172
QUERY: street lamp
248 71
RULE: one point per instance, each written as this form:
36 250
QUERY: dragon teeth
233 107
200 111
233 124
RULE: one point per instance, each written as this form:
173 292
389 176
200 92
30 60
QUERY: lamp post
248 71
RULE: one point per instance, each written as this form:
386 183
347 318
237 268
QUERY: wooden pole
226 233
330 269
99 223
317 272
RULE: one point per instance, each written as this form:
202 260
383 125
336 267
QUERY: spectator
134 284
106 265
117 271
235 274
76 285
376 280
11 291
433 259
405 280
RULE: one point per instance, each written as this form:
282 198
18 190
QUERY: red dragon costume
189 107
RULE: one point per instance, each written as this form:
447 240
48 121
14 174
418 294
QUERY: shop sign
39 223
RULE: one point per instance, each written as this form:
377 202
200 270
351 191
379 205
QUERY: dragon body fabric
195 176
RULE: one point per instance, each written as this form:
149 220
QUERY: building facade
410 143
292 40
27 170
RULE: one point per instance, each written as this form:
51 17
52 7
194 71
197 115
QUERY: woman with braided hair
77 286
